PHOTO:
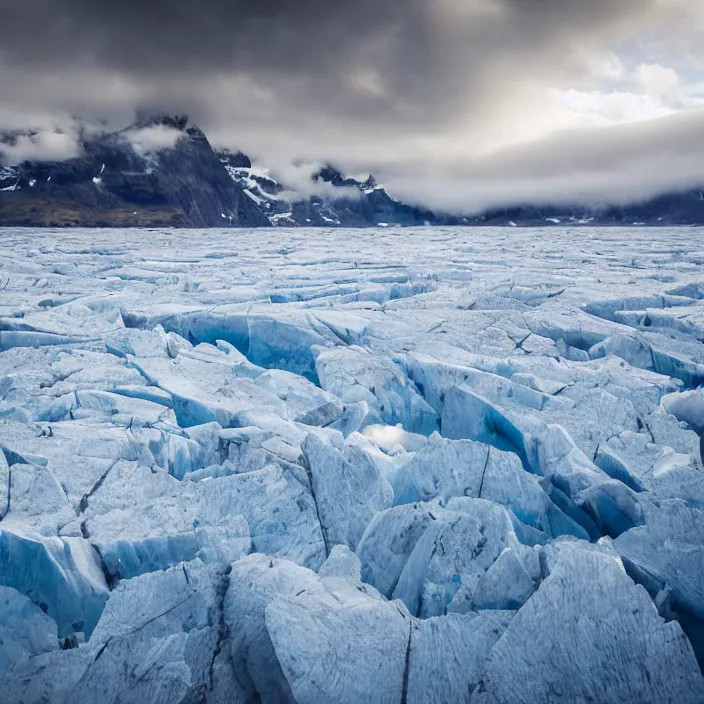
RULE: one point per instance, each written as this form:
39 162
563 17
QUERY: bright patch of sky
629 91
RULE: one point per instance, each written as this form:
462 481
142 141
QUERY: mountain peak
329 174
237 160
177 122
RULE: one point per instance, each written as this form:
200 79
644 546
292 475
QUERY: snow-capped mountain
164 172
360 203
119 180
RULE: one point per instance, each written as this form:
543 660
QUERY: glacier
339 466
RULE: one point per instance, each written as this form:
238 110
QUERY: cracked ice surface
350 466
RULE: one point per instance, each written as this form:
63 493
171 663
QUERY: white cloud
596 107
152 139
42 146
607 66
657 80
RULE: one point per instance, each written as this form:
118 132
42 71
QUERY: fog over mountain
454 104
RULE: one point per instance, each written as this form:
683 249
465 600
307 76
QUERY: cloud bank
454 103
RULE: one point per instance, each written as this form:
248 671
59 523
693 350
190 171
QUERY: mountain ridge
118 182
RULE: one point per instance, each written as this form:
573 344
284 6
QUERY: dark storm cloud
386 83
180 35
167 35
425 55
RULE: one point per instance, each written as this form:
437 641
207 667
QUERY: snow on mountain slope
9 178
420 465
361 203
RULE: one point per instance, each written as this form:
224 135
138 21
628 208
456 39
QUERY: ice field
403 466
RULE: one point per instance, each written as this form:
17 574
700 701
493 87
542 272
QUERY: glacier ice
157 640
408 466
347 494
355 375
447 655
62 576
388 542
584 647
452 556
324 641
448 468
25 630
256 582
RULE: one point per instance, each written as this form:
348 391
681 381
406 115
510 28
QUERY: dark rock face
114 184
376 207
235 160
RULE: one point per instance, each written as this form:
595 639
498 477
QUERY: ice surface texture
311 467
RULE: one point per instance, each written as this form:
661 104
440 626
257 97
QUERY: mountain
119 181
366 203
679 208
360 203
115 183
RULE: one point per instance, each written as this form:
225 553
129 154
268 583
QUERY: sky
452 104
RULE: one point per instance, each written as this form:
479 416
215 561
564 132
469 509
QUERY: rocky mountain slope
360 203
113 183
118 183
